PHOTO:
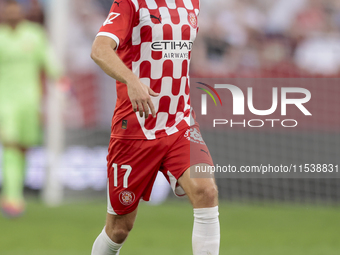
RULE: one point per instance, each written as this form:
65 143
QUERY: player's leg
203 195
12 199
189 151
132 170
202 192
111 239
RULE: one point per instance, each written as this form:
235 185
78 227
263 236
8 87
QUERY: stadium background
237 39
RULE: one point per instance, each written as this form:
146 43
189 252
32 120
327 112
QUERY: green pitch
166 230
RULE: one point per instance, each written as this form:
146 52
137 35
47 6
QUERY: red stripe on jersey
187 113
187 90
176 86
167 32
136 20
186 32
137 50
181 104
174 16
161 3
196 4
180 4
185 68
156 55
164 104
160 133
168 68
171 120
156 85
150 123
145 69
146 34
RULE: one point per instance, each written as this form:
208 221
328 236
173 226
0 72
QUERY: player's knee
207 193
119 232
119 235
212 193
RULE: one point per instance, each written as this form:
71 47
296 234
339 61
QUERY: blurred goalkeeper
146 46
23 55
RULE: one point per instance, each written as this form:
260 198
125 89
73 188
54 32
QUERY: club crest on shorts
192 18
194 135
127 197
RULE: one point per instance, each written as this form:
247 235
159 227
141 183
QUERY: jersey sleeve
119 22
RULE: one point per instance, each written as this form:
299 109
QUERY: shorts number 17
126 176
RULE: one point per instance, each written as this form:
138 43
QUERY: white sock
206 232
105 246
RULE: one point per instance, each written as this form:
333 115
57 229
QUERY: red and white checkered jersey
154 39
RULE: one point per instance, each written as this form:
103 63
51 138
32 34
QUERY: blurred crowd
268 38
236 38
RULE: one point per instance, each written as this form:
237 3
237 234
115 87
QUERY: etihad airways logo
173 49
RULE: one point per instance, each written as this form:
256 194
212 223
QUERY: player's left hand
140 97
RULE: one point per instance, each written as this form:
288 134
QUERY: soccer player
146 46
23 54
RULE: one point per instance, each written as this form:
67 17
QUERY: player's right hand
139 95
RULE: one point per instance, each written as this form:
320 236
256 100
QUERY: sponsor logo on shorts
205 152
193 135
127 197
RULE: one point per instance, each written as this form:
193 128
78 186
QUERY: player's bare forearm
104 55
106 58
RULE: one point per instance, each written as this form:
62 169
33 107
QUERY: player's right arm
104 55
116 32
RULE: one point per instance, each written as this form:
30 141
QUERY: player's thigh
132 169
187 151
202 192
